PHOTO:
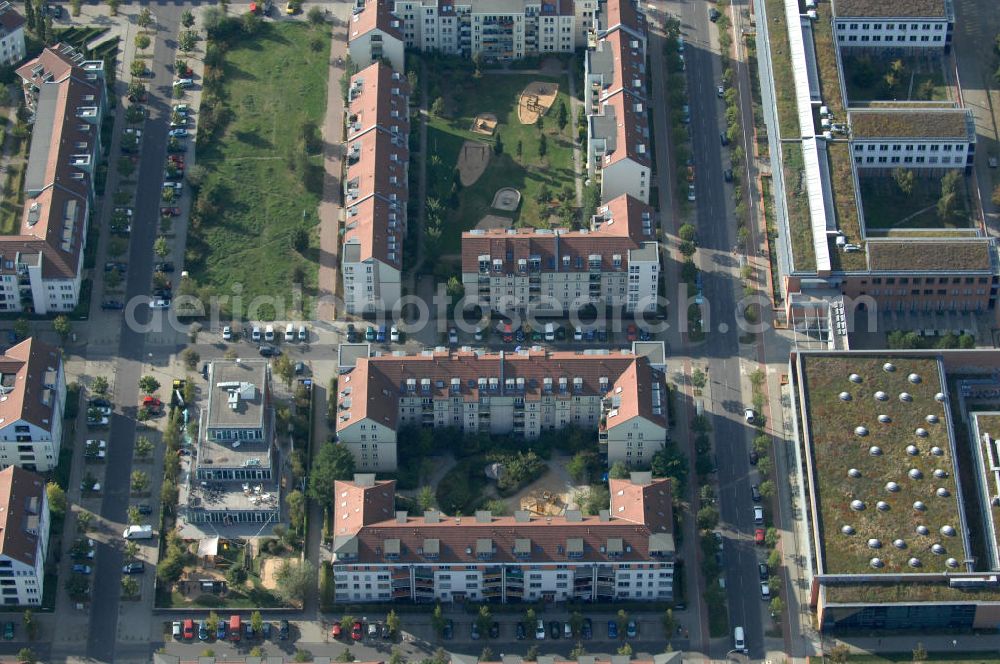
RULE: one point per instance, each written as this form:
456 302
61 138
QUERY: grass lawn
13 189
920 79
887 207
464 98
265 188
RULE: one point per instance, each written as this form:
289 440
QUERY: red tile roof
639 509
373 388
374 15
618 227
377 91
52 64
22 494
24 369
631 129
624 14
628 62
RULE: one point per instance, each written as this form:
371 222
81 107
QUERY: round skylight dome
891 487
932 419
938 549
854 378
923 530
951 562
913 378
877 563
854 472
937 451
948 531
874 544
899 544
884 419
940 397
875 450
919 506
940 474
942 492
881 396
912 450
888 367
915 474
847 530
860 431
905 396
845 396
913 562
857 505
922 432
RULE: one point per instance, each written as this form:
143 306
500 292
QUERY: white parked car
180 132
394 334
184 82
173 185
159 303
227 333
452 335
303 333
691 196
255 334
748 415
268 333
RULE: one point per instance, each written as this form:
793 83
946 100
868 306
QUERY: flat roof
917 123
880 459
818 212
800 68
261 495
236 392
891 8
987 430
914 255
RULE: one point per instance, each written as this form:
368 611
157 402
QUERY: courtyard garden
872 77
260 172
480 139
903 201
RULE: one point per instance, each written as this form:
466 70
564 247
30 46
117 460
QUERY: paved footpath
330 209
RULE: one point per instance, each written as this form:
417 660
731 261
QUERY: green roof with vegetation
836 409
896 123
891 8
797 205
845 206
921 255
781 70
910 591
826 61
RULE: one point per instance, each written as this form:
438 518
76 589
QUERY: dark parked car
519 632
754 457
474 632
763 571
727 175
449 629
723 139
202 630
555 629
283 630
8 631
495 630
714 14
220 631
112 305
385 632
135 567
587 629
612 629
145 509
268 351
266 630
352 334
755 493
164 267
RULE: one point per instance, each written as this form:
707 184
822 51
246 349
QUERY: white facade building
894 24
918 139
625 552
11 35
374 34
24 522
522 393
31 413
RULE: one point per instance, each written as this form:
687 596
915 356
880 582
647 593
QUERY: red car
188 629
170 212
758 536
356 631
335 631
508 333
631 333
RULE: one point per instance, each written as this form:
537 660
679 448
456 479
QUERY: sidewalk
330 210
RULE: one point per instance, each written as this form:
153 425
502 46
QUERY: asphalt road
114 508
716 228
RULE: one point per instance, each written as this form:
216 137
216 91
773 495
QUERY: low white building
625 552
31 412
24 544
894 24
918 139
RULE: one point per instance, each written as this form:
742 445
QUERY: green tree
57 498
257 622
113 6
562 115
839 653
543 144
708 517
140 481
529 619
580 467
625 649
138 68
26 655
618 471
767 489
294 578
426 498
143 447
187 18
134 517
21 328
596 498
777 608
148 384
29 15
578 651
142 41
669 623
699 379
532 654
438 620
316 15
905 178
345 656
392 622
484 619
576 622
161 247
622 619
187 41
396 656
296 503
486 655
919 653
62 327
333 462
283 367
437 108
145 18
130 587
686 232
30 625
191 358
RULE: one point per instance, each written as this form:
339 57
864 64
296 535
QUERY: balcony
401 593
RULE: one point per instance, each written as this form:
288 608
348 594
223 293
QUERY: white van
765 591
289 332
138 532
739 640
550 331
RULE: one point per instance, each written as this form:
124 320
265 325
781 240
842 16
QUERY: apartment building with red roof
24 536
619 152
498 30
374 34
620 394
11 34
32 401
41 265
376 189
613 264
625 552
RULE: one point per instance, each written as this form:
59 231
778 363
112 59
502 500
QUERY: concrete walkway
575 108
330 208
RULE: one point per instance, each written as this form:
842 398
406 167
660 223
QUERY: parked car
727 175
144 509
714 14
164 267
336 631
266 350
474 632
255 334
540 630
494 630
587 629
755 492
159 303
227 333
758 515
763 572
177 630
758 536
8 631
720 91
691 195
577 334
179 132
80 568
567 630
283 630
352 334
748 415
754 457
631 332
170 212
303 333
519 631
380 334
632 629
394 334
384 631
723 139
184 82
112 305
268 333
370 333
612 629
220 631
265 630
135 567
202 630
554 629
452 336
356 633
449 629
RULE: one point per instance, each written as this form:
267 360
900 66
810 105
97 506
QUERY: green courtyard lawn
886 207
882 78
464 97
255 218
